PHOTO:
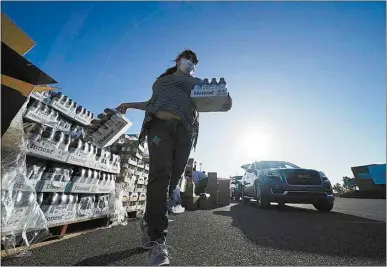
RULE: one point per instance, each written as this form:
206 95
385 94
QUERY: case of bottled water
46 142
210 96
109 126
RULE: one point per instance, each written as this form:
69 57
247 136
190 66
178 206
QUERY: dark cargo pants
169 145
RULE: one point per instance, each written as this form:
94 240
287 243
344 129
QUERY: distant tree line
348 185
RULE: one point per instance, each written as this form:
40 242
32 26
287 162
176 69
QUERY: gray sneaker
145 240
158 255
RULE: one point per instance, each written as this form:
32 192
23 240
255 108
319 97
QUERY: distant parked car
236 187
283 182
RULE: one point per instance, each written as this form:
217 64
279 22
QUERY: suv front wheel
324 206
244 199
262 200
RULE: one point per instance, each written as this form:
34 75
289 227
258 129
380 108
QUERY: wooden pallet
61 230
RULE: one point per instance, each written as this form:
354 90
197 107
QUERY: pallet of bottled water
210 96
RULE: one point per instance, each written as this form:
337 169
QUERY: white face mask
186 66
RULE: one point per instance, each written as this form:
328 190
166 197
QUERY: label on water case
66 110
80 158
82 119
28 187
51 186
103 165
38 96
17 220
47 149
83 188
104 189
105 136
38 116
100 212
115 168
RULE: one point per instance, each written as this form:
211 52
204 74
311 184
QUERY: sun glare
254 144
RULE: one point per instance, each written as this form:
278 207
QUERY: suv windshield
263 165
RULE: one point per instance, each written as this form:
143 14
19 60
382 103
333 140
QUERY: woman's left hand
227 106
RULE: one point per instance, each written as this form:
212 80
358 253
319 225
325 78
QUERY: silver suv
283 182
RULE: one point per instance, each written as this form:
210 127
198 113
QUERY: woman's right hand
123 107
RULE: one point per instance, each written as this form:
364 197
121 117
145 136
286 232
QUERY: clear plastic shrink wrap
118 213
22 220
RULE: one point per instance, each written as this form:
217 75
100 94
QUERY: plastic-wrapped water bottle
222 87
205 84
48 134
34 132
79 175
39 198
197 87
58 138
213 83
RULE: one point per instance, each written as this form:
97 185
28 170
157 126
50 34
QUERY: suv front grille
307 194
303 178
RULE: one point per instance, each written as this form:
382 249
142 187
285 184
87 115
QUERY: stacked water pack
108 127
210 96
58 207
45 141
133 176
55 178
35 170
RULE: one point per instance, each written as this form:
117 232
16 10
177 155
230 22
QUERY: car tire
262 200
324 206
245 200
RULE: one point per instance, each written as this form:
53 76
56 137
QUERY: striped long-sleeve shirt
172 93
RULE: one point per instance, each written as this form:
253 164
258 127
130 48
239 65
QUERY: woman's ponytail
168 71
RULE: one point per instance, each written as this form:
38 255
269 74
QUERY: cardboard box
206 202
190 202
212 178
19 76
224 184
212 189
224 199
14 37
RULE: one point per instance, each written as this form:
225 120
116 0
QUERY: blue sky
307 78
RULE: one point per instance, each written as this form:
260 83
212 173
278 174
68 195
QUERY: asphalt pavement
239 234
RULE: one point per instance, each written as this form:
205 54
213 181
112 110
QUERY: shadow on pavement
105 259
305 230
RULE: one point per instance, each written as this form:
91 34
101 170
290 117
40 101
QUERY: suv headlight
326 183
324 177
273 175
